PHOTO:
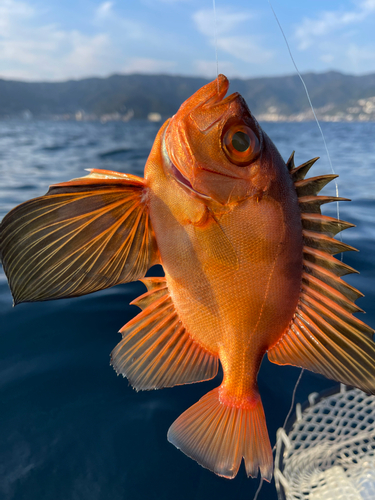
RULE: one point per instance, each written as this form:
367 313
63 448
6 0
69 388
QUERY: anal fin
156 351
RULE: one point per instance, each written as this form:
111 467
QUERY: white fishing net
329 454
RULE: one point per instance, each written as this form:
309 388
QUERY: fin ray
322 242
299 173
324 224
218 436
334 293
323 335
156 351
325 260
313 185
82 236
311 204
334 313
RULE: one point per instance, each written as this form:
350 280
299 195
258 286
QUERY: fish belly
232 310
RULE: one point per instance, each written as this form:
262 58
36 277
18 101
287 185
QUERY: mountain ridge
336 96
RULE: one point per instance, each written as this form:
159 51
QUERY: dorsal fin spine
299 173
324 336
290 163
311 203
313 185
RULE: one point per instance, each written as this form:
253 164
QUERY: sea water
70 429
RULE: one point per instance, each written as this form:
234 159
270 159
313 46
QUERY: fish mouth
184 182
180 178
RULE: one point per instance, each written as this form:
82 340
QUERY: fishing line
215 33
285 421
259 488
293 399
337 204
312 109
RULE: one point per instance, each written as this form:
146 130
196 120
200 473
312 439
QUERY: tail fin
217 436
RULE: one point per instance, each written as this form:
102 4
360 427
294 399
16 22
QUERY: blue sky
62 39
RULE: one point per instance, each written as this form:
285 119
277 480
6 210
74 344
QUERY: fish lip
179 177
184 182
220 173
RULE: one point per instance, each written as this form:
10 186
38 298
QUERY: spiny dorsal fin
329 278
313 185
290 162
323 259
299 173
321 241
311 204
344 297
324 224
323 335
156 351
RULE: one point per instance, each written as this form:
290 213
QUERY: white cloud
54 55
208 69
360 57
104 10
327 58
226 21
13 11
33 50
312 29
246 48
145 65
87 55
368 4
107 19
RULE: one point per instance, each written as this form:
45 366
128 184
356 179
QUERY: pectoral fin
82 236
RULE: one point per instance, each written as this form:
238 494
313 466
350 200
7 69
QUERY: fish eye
240 144
241 141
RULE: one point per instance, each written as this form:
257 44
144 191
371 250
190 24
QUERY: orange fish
249 269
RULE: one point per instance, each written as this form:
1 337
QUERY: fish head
216 149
